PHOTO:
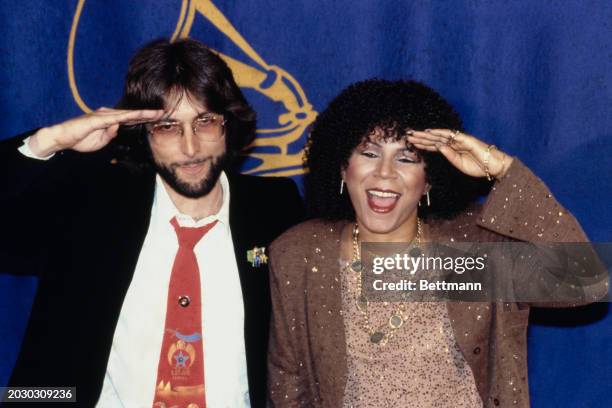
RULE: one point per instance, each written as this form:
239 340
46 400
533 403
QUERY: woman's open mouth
382 201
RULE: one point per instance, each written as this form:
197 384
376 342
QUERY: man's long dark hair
186 68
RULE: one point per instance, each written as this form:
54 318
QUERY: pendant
356 266
376 337
396 321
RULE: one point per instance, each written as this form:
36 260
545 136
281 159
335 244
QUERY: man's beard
200 189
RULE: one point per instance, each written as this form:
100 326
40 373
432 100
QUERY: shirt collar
166 209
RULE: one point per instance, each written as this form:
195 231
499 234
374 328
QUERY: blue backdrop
534 78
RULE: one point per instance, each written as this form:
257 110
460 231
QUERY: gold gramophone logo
270 150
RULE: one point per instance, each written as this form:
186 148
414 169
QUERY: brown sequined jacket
307 355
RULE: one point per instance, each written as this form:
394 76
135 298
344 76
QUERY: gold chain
397 319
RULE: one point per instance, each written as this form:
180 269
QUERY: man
146 294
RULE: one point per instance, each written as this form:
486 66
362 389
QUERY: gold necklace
397 318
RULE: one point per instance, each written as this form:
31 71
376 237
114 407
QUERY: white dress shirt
131 373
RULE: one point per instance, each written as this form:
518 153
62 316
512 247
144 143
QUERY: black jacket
78 222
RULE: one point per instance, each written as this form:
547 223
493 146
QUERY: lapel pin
257 256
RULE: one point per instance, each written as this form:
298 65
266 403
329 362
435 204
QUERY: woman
389 163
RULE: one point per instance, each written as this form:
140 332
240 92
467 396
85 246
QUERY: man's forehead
178 104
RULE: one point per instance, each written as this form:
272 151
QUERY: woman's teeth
382 201
383 194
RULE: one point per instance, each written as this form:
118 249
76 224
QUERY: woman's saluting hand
467 153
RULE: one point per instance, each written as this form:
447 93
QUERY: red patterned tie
180 373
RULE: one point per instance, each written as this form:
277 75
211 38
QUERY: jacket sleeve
555 266
29 202
287 385
23 177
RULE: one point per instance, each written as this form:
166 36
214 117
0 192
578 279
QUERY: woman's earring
428 200
341 186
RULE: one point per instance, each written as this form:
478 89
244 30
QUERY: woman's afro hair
394 107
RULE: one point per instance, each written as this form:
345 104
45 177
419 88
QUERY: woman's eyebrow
408 149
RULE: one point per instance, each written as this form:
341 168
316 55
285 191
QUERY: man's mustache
191 162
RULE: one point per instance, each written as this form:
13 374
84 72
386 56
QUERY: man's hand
89 132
